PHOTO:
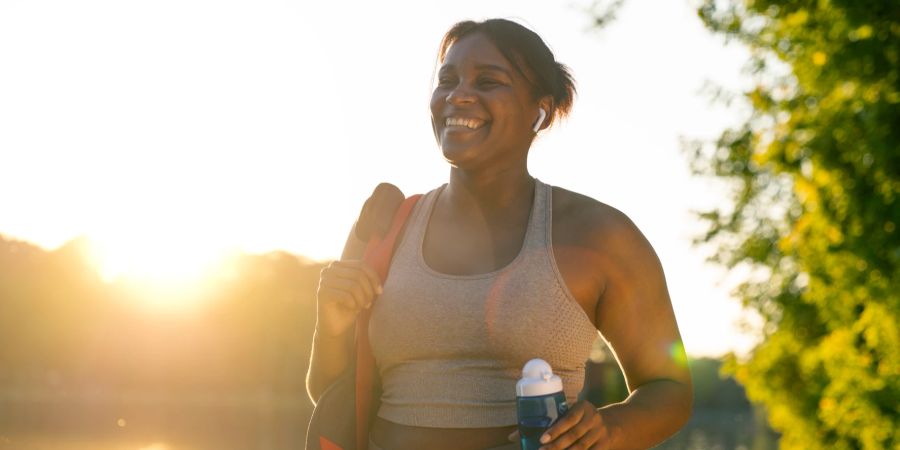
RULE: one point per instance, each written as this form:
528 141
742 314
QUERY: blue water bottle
540 401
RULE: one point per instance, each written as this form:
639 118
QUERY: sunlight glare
156 446
159 260
169 270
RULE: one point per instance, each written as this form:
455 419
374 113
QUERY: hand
345 288
581 428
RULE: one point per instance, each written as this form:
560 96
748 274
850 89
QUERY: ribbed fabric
450 348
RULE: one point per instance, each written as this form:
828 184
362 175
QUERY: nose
460 95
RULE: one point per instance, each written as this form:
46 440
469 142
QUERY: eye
446 80
488 82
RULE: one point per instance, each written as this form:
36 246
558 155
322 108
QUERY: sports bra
450 348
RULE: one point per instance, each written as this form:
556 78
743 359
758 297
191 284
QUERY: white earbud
541 116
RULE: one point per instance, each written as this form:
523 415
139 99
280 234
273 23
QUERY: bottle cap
538 379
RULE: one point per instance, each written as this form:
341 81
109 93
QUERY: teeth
472 124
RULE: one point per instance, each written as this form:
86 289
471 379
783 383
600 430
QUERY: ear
546 103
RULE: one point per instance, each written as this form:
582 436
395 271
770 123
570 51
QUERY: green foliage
815 171
604 12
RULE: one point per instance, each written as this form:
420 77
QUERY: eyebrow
492 67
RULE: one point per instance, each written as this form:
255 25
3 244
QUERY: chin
458 155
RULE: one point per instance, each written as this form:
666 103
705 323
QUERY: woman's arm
345 287
635 316
330 353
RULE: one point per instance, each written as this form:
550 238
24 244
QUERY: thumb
514 436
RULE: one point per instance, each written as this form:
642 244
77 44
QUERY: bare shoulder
580 219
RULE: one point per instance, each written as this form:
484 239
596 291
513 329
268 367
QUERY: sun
170 271
159 260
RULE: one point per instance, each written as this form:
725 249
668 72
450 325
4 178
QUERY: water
260 423
536 415
723 430
531 435
689 439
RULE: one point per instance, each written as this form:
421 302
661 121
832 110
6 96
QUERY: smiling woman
476 107
496 268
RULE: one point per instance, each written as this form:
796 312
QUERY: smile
472 124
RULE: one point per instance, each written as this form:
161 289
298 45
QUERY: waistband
510 446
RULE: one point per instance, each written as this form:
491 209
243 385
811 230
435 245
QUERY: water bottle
540 401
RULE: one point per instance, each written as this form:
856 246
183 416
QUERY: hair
527 53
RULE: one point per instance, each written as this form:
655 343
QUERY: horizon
160 296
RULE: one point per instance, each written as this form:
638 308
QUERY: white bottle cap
538 379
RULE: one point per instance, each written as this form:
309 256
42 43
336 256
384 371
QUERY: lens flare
678 354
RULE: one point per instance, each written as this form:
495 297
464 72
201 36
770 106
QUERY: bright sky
171 132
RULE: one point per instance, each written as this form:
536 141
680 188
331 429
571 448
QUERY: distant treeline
64 328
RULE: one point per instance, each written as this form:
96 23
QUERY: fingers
349 293
514 436
581 436
565 423
352 284
345 288
351 280
347 269
339 297
595 439
581 428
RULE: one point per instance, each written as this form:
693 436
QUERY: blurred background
173 176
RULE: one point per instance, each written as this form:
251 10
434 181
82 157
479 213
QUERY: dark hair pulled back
528 54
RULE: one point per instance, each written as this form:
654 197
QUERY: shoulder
594 224
606 239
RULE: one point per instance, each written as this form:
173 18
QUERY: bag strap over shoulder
379 252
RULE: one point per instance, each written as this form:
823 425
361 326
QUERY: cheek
436 105
509 119
508 106
437 102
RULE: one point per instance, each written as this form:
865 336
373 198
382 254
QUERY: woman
496 268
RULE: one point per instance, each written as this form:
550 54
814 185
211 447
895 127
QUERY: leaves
815 172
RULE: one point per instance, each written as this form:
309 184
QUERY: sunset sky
174 132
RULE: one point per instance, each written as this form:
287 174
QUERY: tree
814 210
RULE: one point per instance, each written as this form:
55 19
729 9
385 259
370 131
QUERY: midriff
394 436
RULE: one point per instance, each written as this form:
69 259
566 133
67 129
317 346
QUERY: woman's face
482 109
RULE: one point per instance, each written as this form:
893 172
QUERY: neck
495 192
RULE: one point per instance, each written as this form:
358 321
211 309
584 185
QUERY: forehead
475 49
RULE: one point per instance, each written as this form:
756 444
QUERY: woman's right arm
345 288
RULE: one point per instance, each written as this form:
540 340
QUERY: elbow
685 403
678 396
682 396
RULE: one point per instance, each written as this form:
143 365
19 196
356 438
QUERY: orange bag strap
379 252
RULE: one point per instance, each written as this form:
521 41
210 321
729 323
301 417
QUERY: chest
472 244
463 248
494 321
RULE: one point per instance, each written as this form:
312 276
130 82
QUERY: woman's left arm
635 316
